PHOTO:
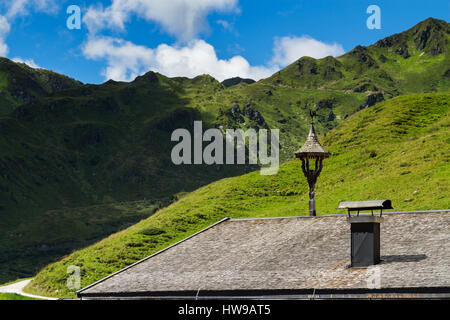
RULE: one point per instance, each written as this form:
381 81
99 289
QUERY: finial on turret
312 114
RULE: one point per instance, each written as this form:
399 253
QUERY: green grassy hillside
395 150
14 296
79 162
21 84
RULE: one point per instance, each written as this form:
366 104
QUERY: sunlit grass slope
14 296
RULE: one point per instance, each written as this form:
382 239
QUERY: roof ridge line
152 255
341 214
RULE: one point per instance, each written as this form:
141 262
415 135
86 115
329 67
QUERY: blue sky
121 39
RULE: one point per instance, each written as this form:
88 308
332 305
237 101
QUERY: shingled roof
295 257
312 146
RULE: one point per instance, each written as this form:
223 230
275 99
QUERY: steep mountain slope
78 162
21 84
395 150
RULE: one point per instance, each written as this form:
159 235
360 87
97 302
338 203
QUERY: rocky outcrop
362 56
253 115
307 66
236 115
431 36
329 69
371 100
365 87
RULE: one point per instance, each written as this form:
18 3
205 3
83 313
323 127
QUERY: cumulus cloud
126 60
17 8
182 18
289 49
4 30
28 62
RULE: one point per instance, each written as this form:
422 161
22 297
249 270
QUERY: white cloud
17 8
182 18
126 60
4 30
28 62
289 49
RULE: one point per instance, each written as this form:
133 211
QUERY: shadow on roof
403 258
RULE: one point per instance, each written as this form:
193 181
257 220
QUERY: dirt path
18 288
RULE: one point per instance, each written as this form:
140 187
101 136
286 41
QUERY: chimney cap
366 205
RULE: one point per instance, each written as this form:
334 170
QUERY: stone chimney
365 240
